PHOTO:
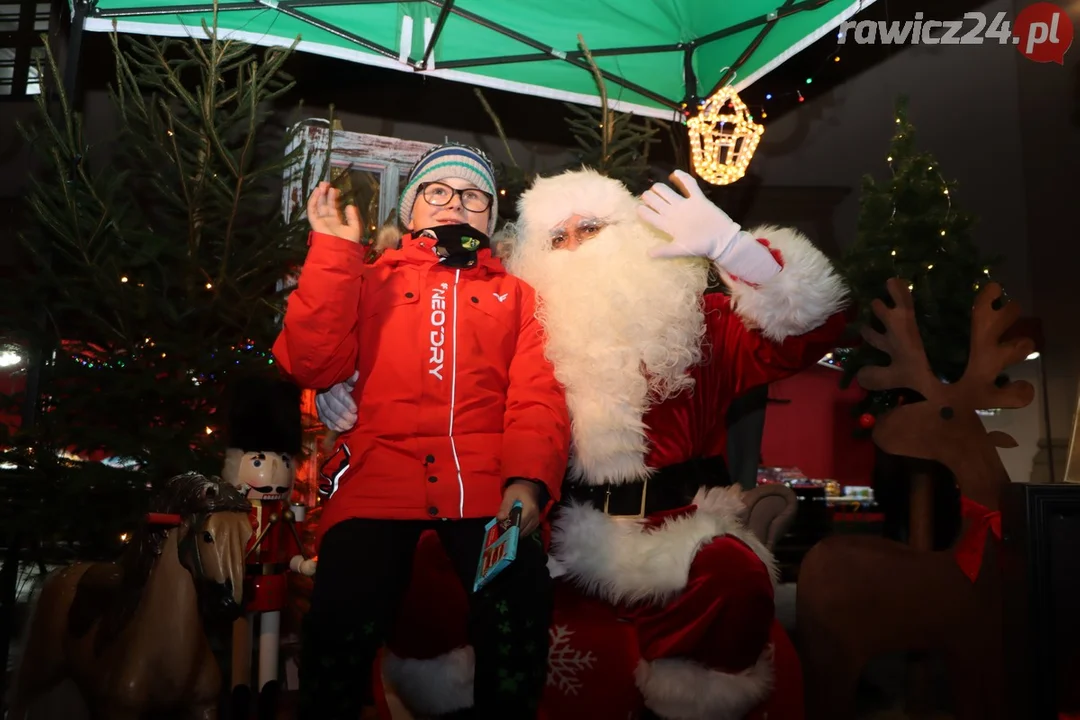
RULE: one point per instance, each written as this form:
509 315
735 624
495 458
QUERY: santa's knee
728 564
736 585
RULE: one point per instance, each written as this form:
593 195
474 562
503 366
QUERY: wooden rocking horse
131 634
860 597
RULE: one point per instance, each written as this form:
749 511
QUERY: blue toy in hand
500 547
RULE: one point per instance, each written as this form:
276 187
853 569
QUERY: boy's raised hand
324 214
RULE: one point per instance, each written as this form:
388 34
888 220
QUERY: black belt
266 568
666 489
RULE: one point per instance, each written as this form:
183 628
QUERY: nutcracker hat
451 160
264 414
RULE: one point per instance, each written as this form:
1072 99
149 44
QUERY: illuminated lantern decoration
723 138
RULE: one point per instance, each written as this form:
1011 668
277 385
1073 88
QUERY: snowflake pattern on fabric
566 664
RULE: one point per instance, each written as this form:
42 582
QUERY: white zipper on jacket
453 397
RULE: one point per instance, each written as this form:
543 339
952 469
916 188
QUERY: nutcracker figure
265 437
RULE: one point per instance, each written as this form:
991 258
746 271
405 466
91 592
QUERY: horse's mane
112 598
186 495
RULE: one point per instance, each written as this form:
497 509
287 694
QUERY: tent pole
689 77
769 25
526 40
444 13
200 8
540 57
334 30
789 8
74 49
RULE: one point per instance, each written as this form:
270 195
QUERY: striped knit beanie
451 161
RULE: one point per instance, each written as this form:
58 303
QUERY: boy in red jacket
459 416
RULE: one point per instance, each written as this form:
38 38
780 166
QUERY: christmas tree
159 257
910 226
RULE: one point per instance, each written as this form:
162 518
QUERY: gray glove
336 407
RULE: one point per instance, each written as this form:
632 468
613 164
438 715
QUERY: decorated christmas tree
156 280
911 226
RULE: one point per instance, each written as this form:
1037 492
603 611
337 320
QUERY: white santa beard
623 330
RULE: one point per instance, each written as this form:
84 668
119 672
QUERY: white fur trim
388 238
796 300
622 560
679 689
435 686
550 201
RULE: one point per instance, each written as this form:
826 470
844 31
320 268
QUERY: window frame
25 41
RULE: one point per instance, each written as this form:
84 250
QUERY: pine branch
606 123
498 125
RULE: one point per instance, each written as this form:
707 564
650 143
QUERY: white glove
305 567
700 229
336 407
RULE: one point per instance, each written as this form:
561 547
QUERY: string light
831 58
121 361
123 279
209 286
722 143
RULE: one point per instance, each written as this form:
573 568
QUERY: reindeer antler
908 367
989 356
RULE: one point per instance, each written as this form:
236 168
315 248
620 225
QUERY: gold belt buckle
641 510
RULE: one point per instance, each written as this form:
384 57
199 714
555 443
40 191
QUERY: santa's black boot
268 700
240 707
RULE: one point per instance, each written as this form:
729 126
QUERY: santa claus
651 351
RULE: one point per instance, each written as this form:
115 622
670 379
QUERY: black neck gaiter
456 245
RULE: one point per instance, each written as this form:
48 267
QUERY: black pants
364 571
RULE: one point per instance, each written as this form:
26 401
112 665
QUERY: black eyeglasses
439 194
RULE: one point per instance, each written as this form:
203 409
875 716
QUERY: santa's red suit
664 600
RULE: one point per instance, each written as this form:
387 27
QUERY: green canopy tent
657 56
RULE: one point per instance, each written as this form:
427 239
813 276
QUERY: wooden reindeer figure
862 596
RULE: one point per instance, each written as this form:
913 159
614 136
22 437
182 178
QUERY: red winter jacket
454 394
